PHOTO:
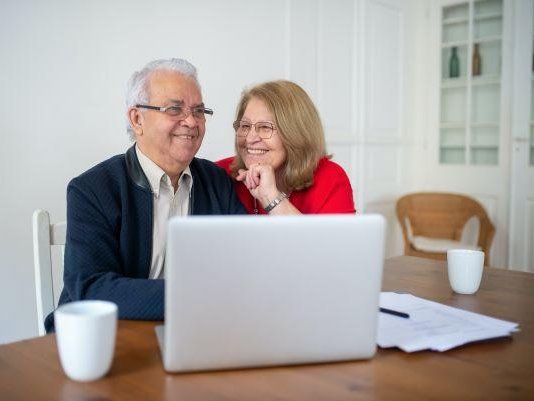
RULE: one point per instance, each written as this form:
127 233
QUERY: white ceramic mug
85 334
465 269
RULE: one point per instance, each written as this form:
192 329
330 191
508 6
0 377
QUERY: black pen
394 313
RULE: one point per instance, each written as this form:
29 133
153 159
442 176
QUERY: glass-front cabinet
481 124
470 93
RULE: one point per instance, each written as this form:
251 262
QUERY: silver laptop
249 291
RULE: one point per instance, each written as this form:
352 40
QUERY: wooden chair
46 236
433 222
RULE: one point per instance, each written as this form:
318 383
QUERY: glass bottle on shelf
477 62
454 64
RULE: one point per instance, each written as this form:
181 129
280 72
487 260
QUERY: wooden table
495 370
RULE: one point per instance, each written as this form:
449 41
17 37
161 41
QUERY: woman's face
253 148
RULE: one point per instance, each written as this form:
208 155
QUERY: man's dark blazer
108 248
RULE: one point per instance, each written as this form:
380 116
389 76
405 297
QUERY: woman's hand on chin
260 181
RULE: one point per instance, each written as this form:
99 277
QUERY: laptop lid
248 291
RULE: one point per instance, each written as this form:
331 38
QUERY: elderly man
117 211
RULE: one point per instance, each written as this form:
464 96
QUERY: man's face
168 141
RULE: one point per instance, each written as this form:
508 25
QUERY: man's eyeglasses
180 112
264 129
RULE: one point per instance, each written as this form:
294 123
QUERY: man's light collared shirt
167 204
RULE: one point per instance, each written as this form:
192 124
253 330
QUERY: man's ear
136 120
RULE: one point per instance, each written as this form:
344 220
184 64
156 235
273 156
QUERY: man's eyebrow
182 103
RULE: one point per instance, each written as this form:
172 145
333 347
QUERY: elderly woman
281 165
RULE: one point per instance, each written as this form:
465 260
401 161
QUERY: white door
386 96
521 256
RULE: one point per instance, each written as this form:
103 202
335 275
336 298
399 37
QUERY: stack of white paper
433 326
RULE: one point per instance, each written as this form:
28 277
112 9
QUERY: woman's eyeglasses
264 129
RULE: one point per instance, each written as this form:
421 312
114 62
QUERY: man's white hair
137 88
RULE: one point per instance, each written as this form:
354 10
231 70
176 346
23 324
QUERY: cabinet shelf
461 124
475 81
456 43
484 125
452 125
484 147
453 83
488 39
460 43
489 80
457 20
487 16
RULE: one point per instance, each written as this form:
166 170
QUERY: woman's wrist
268 196
275 202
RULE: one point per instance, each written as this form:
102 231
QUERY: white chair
46 236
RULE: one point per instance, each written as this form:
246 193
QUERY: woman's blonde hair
299 126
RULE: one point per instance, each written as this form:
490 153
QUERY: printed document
433 326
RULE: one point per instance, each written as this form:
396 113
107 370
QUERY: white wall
63 69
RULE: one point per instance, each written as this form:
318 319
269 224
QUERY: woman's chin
251 160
